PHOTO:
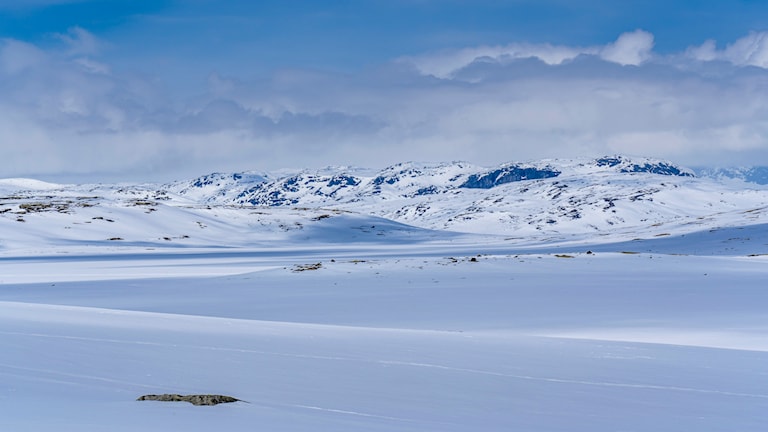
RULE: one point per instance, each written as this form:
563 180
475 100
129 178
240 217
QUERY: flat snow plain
434 335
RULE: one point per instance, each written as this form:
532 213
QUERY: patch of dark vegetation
36 207
305 267
142 203
197 400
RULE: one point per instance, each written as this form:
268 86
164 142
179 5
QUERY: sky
134 90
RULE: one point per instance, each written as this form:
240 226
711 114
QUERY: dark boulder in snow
202 399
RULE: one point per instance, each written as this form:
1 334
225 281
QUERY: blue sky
155 90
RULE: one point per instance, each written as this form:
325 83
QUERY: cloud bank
64 110
631 48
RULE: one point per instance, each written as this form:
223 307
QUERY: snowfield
336 318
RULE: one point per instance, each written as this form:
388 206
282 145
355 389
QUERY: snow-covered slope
611 294
386 337
216 187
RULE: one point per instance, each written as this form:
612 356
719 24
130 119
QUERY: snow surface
331 319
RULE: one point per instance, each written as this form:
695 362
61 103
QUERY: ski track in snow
354 413
357 360
578 382
76 378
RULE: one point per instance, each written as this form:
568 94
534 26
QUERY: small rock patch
193 399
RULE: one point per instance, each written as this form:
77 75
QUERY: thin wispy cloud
80 42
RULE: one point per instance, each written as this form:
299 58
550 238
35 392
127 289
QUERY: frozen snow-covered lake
389 337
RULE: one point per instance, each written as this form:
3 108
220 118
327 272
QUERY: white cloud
629 49
444 64
750 50
705 52
62 111
632 48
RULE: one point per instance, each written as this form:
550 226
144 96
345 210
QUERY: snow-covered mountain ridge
553 196
409 179
551 200
757 174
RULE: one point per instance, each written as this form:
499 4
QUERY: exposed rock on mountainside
508 174
626 165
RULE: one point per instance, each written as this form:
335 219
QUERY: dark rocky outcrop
193 399
626 165
508 174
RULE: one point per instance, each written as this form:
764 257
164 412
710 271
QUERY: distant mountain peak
756 174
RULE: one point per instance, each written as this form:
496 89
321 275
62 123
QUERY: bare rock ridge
198 400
